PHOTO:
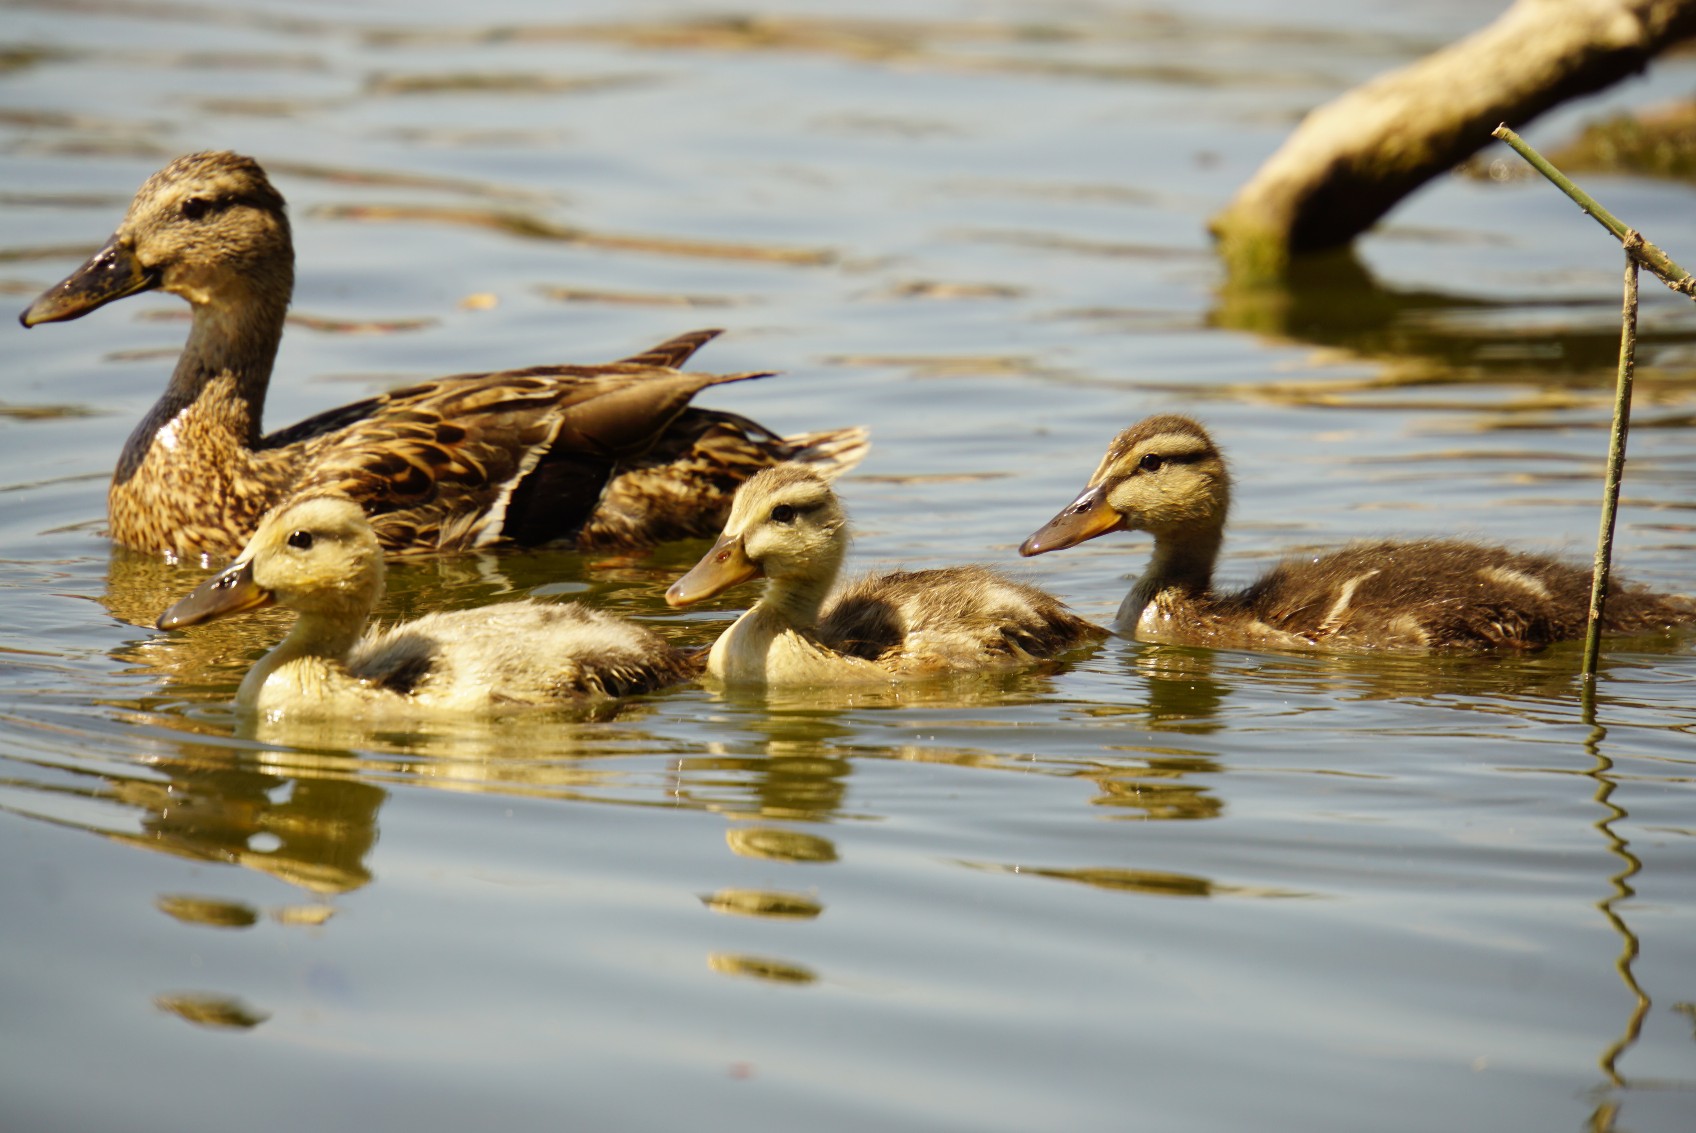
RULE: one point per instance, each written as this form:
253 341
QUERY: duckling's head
208 226
785 525
1163 475
316 556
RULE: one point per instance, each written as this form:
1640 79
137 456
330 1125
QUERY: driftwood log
1351 160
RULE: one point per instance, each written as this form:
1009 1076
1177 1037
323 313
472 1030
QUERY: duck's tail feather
832 452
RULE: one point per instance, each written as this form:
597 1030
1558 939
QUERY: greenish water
1156 887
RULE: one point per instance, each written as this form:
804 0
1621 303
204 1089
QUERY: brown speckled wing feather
437 465
682 487
674 352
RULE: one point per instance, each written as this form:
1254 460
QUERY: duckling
319 557
787 526
1165 476
612 456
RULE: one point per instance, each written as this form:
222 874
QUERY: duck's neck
776 639
1180 567
795 602
309 663
217 393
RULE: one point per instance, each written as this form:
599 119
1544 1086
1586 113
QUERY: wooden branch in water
1352 160
1635 245
1616 465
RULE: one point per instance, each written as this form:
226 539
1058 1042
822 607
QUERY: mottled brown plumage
319 557
610 455
1165 476
787 526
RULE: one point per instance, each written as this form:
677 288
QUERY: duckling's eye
301 539
1151 462
196 207
783 513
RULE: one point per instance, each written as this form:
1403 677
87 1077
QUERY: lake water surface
1162 888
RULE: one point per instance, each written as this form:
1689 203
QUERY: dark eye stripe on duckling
1159 458
199 208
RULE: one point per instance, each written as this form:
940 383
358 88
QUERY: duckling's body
320 558
1165 476
787 525
610 455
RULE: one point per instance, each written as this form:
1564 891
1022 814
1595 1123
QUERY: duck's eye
783 513
301 539
1151 462
196 207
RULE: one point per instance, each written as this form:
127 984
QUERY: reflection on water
780 845
312 833
763 903
1153 883
1622 891
1431 342
761 968
208 911
209 1009
1163 787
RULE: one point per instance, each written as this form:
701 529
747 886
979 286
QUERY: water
1159 886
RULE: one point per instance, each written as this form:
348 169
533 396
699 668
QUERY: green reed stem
1652 257
1616 465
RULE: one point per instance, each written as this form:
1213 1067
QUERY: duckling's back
950 618
517 653
1446 595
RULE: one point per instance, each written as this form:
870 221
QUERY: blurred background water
1161 887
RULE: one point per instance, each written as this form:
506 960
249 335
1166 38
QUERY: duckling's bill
719 569
1084 518
230 591
110 274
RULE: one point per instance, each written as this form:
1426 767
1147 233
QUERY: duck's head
208 227
1163 475
785 525
316 556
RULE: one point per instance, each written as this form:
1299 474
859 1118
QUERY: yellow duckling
610 456
787 526
320 558
1165 476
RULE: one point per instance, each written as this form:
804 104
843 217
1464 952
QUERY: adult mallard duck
612 455
319 557
787 526
1165 476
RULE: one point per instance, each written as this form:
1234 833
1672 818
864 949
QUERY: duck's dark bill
1084 518
111 273
230 591
719 569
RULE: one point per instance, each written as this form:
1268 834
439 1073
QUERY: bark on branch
1350 161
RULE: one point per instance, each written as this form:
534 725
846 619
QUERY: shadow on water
1424 338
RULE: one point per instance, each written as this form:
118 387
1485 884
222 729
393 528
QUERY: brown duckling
319 557
787 526
612 456
1165 476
